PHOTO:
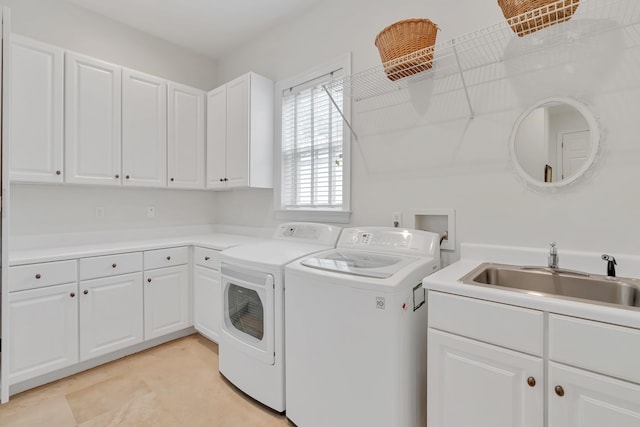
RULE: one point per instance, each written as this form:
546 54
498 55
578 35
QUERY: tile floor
175 384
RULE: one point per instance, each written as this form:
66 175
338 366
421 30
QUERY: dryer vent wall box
440 221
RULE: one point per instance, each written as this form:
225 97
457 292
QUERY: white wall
465 164
66 25
48 209
38 209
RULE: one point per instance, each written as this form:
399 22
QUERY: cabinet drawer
500 324
31 276
601 347
207 258
166 257
110 265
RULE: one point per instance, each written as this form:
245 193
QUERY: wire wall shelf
541 39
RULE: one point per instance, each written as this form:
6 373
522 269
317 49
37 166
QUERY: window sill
334 217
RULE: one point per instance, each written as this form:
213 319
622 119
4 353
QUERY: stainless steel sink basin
620 291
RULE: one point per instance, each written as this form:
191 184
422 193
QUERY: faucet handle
552 247
606 257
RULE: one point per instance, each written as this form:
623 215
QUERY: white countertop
75 246
447 280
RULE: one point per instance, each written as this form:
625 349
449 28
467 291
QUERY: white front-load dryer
251 347
356 333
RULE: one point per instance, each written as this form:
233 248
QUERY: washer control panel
387 239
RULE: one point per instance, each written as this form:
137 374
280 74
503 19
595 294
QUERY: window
314 145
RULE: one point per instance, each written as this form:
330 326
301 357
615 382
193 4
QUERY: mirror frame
595 142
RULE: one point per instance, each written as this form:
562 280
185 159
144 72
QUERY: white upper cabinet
93 121
144 130
36 111
216 137
186 126
240 133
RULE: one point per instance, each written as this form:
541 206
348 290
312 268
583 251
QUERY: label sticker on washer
380 303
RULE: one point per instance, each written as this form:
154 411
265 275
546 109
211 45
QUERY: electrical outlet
151 212
397 219
99 212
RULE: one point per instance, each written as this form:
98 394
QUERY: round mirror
554 142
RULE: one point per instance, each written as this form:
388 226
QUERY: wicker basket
403 38
528 16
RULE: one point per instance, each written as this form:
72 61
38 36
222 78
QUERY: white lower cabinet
206 292
476 377
206 302
69 311
166 300
579 398
110 314
476 384
43 330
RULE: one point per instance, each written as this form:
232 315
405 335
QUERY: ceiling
209 27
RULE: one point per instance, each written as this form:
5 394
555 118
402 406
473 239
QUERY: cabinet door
476 384
237 155
216 137
186 137
144 130
591 400
166 301
110 314
206 302
43 330
92 121
36 111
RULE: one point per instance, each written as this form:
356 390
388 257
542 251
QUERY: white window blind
312 147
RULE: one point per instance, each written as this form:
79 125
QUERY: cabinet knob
226 179
58 172
207 258
38 276
114 265
127 177
168 258
86 291
221 179
72 294
531 381
559 390
117 176
172 179
149 280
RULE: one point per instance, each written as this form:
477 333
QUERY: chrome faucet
552 264
611 265
553 256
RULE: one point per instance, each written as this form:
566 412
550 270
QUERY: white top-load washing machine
357 330
251 347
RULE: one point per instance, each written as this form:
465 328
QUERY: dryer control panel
310 232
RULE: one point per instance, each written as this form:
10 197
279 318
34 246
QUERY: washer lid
359 263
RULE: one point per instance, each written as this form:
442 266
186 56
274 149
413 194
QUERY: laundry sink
624 292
